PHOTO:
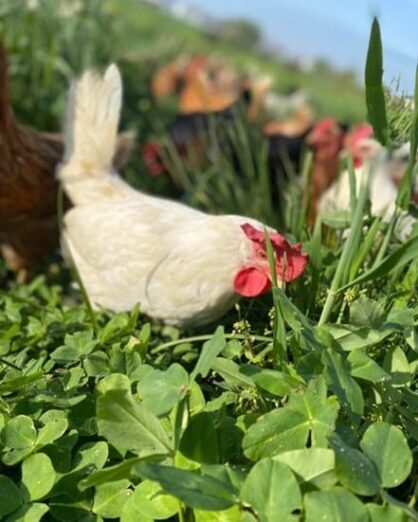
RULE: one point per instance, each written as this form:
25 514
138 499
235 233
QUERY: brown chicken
207 87
201 83
327 141
205 84
28 189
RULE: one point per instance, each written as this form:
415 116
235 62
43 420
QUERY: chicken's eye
262 254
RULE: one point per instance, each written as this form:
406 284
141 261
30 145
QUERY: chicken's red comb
355 140
358 133
325 125
322 131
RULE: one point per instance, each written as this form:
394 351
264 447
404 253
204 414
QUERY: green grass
301 405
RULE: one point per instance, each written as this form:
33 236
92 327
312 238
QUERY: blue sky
337 30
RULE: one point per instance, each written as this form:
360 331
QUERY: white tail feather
91 127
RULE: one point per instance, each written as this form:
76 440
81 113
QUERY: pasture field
298 406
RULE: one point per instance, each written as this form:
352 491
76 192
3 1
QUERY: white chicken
373 164
183 266
382 190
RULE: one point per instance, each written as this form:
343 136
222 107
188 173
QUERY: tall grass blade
306 183
375 97
279 328
353 185
386 241
315 262
365 248
346 255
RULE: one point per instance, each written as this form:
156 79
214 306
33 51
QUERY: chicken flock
183 266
